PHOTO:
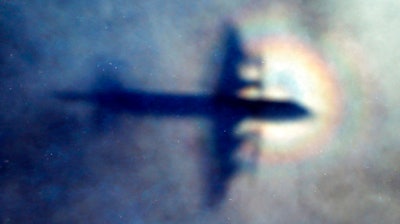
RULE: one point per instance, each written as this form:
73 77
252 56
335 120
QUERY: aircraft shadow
223 108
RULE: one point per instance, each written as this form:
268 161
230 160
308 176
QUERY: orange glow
290 70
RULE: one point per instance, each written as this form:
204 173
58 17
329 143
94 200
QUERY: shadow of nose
286 110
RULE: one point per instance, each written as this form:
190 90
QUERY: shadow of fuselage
224 108
160 104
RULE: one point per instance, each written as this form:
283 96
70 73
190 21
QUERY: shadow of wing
223 166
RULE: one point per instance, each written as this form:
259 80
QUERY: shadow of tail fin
104 92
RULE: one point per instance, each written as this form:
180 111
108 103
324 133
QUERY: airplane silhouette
224 108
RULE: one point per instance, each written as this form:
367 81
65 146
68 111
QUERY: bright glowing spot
291 70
